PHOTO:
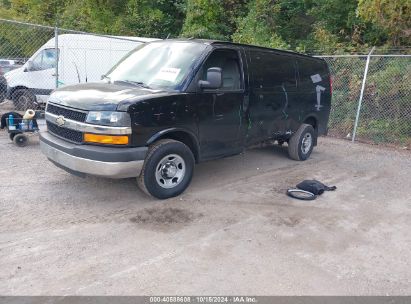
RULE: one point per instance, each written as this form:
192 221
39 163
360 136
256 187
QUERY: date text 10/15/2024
203 299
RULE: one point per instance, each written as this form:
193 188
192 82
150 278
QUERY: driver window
44 60
229 63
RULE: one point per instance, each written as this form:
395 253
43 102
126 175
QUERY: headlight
114 119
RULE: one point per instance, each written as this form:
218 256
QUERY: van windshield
157 65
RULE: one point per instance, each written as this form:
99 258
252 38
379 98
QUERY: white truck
81 58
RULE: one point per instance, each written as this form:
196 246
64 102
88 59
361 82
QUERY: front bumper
80 160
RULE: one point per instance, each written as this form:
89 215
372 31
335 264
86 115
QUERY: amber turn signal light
106 139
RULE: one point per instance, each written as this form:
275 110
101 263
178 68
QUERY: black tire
23 100
165 155
11 136
21 140
297 145
2 97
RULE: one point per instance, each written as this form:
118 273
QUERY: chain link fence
383 112
347 75
34 60
385 115
41 63
17 44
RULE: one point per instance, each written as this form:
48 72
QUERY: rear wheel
23 99
11 136
20 140
301 144
167 170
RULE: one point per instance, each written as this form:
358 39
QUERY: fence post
357 117
56 47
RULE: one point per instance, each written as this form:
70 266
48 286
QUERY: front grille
71 135
67 113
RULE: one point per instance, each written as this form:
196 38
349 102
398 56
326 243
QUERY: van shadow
252 161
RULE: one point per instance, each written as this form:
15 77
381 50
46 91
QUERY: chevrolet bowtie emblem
60 121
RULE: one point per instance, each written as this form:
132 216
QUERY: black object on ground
308 190
315 187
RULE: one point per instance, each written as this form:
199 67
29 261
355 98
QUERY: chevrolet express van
82 58
170 104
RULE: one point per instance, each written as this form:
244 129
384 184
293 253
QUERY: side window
44 60
270 70
229 63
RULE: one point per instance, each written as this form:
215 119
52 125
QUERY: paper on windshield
168 74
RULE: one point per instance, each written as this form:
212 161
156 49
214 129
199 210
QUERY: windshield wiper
136 83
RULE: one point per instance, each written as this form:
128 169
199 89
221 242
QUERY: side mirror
214 79
29 66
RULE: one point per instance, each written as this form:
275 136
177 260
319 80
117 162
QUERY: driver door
41 77
220 110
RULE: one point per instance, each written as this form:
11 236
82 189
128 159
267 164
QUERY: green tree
258 26
37 11
394 17
155 18
205 19
304 25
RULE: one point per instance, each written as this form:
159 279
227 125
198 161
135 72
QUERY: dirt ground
233 232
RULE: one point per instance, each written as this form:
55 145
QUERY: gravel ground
233 232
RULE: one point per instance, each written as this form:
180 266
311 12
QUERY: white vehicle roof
94 38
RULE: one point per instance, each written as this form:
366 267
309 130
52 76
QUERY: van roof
219 42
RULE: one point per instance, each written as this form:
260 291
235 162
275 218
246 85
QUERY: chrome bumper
80 166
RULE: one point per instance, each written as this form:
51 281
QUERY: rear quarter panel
314 86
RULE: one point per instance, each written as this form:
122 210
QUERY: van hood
103 96
11 73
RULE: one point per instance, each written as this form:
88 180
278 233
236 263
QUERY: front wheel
167 170
301 144
23 100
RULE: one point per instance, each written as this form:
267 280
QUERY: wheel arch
13 90
313 121
179 134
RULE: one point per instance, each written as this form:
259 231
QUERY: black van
173 103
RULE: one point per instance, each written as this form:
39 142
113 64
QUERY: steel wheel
24 99
306 143
167 170
302 142
170 171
